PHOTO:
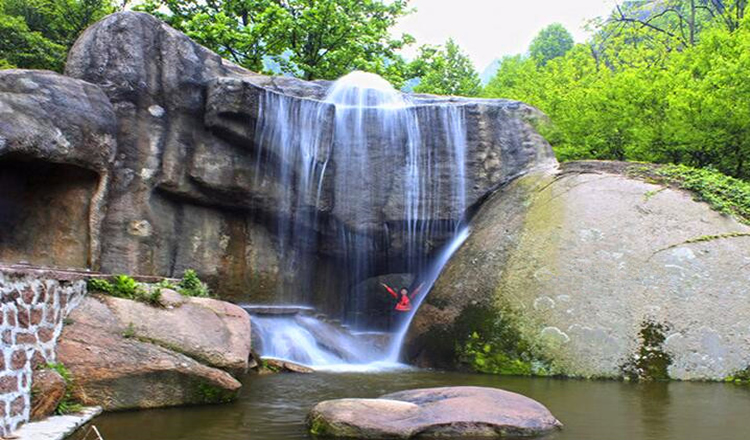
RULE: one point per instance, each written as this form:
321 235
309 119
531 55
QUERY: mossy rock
573 263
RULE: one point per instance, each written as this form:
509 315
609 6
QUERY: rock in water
47 390
455 412
593 272
123 354
270 365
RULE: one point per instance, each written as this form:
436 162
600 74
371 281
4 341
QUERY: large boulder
180 197
57 141
592 272
215 333
194 185
455 412
55 118
123 354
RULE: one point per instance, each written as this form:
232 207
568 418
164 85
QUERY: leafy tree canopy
311 39
635 93
445 70
37 34
552 42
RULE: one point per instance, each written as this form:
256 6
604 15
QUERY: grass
723 193
68 404
124 286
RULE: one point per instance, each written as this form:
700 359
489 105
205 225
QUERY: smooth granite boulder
123 354
454 412
591 271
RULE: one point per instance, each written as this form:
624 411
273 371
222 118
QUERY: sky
490 29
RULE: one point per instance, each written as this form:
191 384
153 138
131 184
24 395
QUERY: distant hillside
489 71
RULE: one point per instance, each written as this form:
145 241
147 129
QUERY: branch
647 23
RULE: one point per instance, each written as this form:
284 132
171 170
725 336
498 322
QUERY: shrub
191 285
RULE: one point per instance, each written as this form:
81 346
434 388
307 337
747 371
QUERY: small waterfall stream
392 160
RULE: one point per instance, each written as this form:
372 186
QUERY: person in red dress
403 297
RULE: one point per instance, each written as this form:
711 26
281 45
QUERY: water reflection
274 407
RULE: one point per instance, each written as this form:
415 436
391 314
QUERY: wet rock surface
455 412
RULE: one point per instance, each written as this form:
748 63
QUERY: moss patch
208 393
741 377
651 362
704 239
723 193
496 345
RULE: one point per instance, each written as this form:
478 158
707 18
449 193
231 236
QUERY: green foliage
723 193
68 404
191 285
129 331
497 347
741 377
37 34
628 95
651 362
99 285
445 71
321 39
21 47
552 42
124 286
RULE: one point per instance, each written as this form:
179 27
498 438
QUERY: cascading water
294 153
392 157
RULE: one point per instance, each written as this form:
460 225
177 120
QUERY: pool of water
274 407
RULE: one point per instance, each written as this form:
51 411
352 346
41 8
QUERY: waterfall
376 125
293 154
372 159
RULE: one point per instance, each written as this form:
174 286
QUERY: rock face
57 141
455 412
589 272
48 389
156 137
176 190
124 354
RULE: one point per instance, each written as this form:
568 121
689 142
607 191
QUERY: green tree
551 42
310 39
627 95
445 71
37 34
21 47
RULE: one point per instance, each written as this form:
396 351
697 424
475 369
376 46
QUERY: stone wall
33 306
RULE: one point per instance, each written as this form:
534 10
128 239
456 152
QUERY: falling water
294 151
399 166
389 151
430 276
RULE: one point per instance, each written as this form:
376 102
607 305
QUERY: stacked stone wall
33 307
